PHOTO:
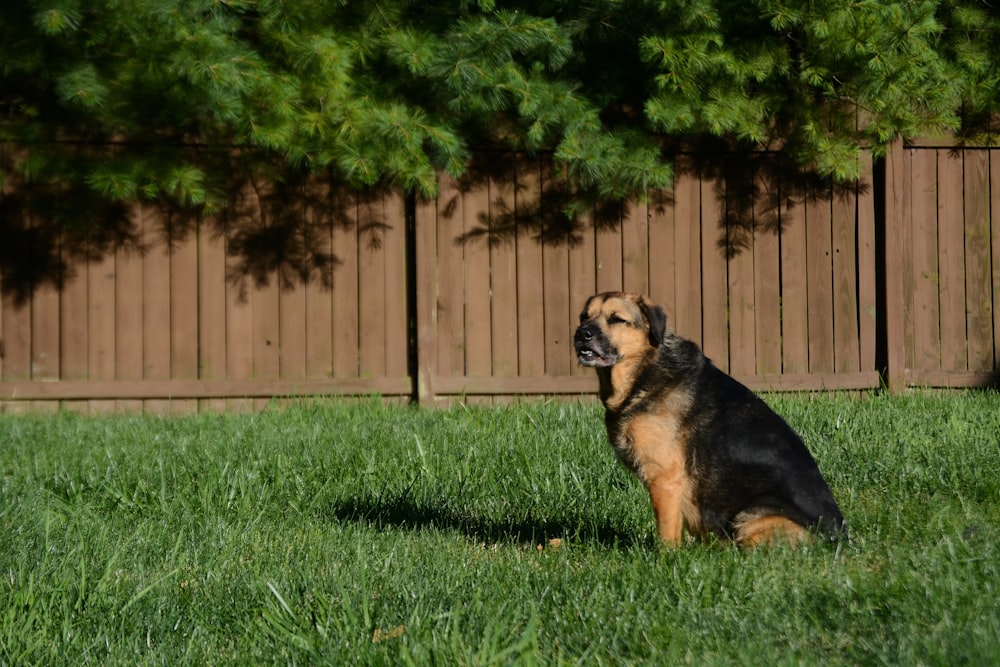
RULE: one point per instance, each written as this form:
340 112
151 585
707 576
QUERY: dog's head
616 326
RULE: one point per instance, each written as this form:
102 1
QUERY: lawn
384 535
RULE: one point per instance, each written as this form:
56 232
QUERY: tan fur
769 530
653 444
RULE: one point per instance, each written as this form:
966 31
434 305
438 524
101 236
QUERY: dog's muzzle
592 348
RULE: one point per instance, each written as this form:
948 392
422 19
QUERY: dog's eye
615 319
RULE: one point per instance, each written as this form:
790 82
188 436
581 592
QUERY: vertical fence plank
559 313
819 277
715 309
128 319
767 283
212 306
292 327
951 253
582 278
184 313
688 288
846 347
530 276
867 287
16 339
478 276
995 235
429 294
503 275
396 331
740 284
449 277
45 333
318 293
371 287
608 256
635 248
345 291
661 258
923 347
794 307
265 334
74 337
101 324
978 277
897 240
156 301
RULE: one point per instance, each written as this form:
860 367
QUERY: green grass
337 534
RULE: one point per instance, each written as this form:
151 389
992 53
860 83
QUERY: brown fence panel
947 319
179 319
774 291
776 282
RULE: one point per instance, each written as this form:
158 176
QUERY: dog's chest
649 445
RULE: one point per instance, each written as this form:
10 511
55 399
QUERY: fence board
635 248
74 340
319 296
560 317
397 331
345 288
687 249
45 359
662 260
767 289
447 280
846 341
819 292
478 276
503 275
582 278
794 307
608 257
714 295
156 300
742 303
867 286
128 317
372 287
952 263
924 343
995 233
16 339
978 276
530 276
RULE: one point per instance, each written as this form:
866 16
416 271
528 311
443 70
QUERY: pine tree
165 100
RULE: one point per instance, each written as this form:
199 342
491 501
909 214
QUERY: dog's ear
657 319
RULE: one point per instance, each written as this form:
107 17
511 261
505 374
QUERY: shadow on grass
529 531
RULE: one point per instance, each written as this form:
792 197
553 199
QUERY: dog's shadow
403 513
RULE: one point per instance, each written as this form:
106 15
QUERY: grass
373 535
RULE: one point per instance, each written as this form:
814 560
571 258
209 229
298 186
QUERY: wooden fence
477 293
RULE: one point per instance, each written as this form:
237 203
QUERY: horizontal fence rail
786 284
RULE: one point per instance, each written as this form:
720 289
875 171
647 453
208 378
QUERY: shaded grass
338 534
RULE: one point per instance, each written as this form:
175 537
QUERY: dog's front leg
666 491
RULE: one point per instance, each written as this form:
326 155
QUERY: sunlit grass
367 534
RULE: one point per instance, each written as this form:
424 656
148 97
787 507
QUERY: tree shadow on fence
754 190
276 224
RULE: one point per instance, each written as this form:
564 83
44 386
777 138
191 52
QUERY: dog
716 460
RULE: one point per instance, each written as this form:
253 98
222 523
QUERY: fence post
896 237
423 291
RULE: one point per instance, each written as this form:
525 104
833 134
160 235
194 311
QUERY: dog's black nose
584 334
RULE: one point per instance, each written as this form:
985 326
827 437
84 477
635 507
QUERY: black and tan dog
715 459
